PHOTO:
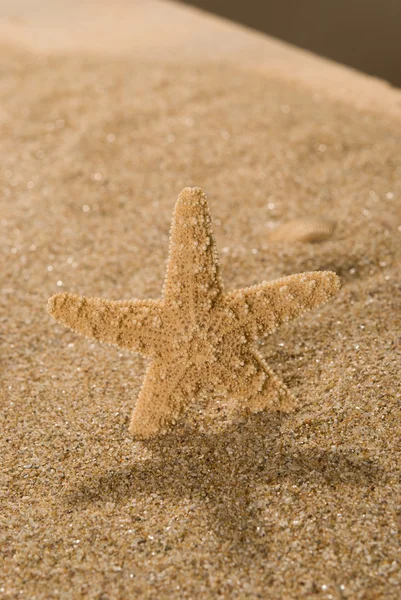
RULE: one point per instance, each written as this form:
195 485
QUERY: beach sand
94 150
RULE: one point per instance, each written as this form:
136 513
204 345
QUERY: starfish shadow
222 471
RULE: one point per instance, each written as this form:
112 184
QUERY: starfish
197 336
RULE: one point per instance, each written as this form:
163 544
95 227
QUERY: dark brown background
365 34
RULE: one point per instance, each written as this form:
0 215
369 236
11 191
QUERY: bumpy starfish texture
197 337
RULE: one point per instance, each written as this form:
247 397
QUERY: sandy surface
166 30
93 152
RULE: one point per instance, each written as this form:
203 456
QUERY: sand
93 151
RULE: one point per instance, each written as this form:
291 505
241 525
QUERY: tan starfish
197 336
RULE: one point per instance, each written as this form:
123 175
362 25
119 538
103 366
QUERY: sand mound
93 152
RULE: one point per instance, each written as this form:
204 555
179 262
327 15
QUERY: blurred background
364 34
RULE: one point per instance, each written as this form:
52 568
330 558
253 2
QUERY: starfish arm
249 380
193 280
133 324
262 308
163 396
264 389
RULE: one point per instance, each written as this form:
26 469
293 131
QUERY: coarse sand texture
227 504
197 336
